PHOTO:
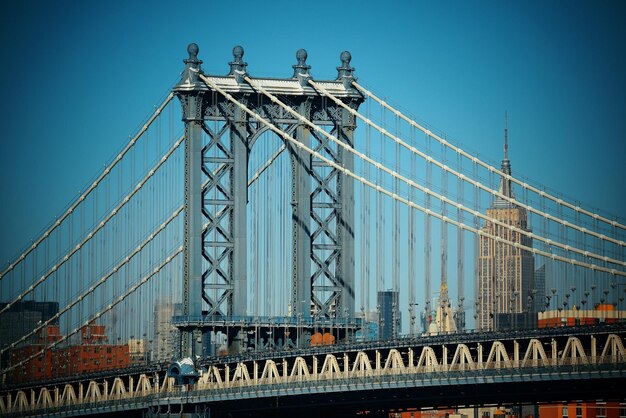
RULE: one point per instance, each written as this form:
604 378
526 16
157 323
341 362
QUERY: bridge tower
216 176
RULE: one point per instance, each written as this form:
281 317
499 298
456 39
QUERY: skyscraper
540 286
166 335
388 315
505 273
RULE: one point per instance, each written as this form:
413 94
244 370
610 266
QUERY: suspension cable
129 257
102 280
492 168
101 225
349 173
418 186
267 164
462 176
95 184
130 290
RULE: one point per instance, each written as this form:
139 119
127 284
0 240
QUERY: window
579 412
565 411
601 411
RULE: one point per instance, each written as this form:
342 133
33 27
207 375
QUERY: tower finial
237 66
193 67
301 69
344 73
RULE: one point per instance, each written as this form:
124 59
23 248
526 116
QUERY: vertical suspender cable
479 303
269 241
427 241
368 218
396 234
255 250
381 220
362 249
444 296
380 237
460 313
411 240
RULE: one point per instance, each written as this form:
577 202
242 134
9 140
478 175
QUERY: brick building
92 355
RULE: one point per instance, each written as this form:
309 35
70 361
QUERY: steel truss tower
216 174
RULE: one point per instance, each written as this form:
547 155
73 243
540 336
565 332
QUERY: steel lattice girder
325 237
218 166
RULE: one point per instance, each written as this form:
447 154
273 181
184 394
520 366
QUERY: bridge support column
190 91
345 188
192 305
239 144
301 204
239 190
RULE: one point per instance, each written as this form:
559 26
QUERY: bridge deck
541 366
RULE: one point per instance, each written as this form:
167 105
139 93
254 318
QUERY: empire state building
505 273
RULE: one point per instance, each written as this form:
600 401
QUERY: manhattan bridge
301 246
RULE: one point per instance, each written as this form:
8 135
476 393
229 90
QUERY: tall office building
540 287
22 317
505 273
166 335
388 315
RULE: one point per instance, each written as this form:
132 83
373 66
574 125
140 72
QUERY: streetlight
362 323
606 293
593 296
461 314
412 314
515 308
270 333
299 330
496 304
346 326
394 328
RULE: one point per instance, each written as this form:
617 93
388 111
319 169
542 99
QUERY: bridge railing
572 357
42 404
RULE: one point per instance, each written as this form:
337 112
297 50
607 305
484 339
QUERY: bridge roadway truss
216 177
566 364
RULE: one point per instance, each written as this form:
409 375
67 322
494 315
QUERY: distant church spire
505 184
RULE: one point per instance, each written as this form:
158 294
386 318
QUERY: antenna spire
506 136
505 182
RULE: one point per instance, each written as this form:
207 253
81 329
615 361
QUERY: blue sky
78 77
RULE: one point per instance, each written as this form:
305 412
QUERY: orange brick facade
94 354
583 410
573 410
